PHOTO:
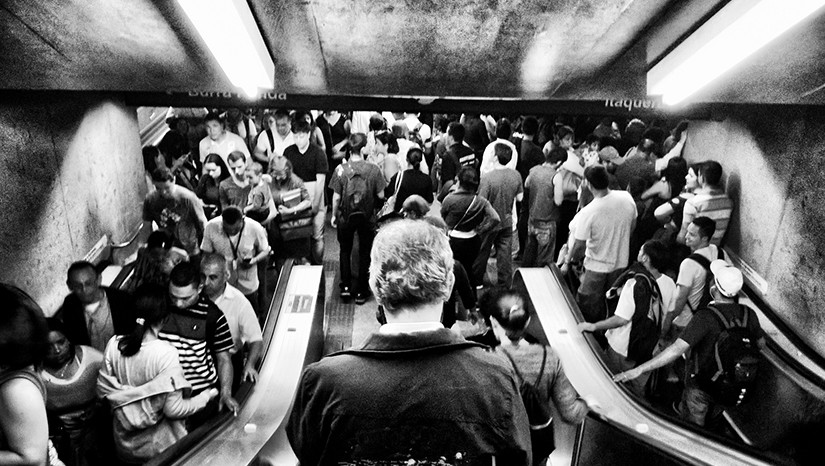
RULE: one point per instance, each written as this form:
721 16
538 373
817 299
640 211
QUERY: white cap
727 277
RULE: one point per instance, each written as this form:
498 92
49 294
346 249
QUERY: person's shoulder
253 225
214 224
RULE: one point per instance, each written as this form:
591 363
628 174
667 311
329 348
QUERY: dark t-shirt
540 192
457 156
412 182
500 187
233 195
704 329
530 155
310 163
178 214
372 175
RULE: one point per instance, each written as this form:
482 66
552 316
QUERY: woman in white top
143 381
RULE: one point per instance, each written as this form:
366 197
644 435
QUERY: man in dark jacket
413 389
93 314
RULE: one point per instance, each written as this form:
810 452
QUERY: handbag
295 225
389 205
449 233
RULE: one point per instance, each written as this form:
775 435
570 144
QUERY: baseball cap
610 154
728 278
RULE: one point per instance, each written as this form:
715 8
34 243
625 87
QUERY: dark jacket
401 396
71 313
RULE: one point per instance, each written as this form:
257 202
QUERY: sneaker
361 298
346 294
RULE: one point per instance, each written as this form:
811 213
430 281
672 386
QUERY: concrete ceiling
533 49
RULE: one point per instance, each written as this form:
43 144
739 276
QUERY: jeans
618 363
318 236
541 242
346 238
503 239
590 295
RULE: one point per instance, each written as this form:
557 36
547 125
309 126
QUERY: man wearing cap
700 337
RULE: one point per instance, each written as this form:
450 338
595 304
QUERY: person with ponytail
143 382
410 181
535 364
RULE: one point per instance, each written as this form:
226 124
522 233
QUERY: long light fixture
230 32
738 30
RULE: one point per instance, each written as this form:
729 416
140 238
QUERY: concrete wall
773 162
70 172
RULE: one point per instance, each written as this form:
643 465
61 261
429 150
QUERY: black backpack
705 263
538 410
356 198
647 317
736 357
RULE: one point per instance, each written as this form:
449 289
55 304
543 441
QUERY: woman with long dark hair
208 190
143 381
410 182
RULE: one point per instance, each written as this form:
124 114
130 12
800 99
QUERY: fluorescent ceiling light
230 32
738 30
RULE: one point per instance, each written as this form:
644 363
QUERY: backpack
538 410
356 198
736 357
705 263
647 317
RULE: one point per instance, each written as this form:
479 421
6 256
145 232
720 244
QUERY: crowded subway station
339 232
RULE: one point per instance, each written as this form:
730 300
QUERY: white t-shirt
692 275
228 144
281 143
243 323
404 145
605 225
488 160
619 337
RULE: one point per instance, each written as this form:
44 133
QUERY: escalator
293 337
621 430
626 420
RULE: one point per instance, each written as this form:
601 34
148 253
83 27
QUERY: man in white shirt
488 159
603 239
243 323
219 141
276 138
243 243
653 257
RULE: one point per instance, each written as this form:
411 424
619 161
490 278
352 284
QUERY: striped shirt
715 205
198 332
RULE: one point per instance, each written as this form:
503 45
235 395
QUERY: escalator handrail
203 433
645 408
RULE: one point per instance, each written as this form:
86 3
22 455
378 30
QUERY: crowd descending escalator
293 337
779 424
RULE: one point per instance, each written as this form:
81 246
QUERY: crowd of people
128 372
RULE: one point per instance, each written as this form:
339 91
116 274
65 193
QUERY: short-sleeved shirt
230 142
243 323
605 225
250 242
693 277
197 332
704 329
540 191
619 337
233 195
500 187
716 206
412 183
308 165
259 196
372 175
278 146
180 215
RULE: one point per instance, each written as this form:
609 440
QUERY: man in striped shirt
197 328
710 201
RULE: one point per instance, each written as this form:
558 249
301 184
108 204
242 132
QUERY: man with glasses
198 329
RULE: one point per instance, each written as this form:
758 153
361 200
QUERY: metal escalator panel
558 316
289 342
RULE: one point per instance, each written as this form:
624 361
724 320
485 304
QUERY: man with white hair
413 389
